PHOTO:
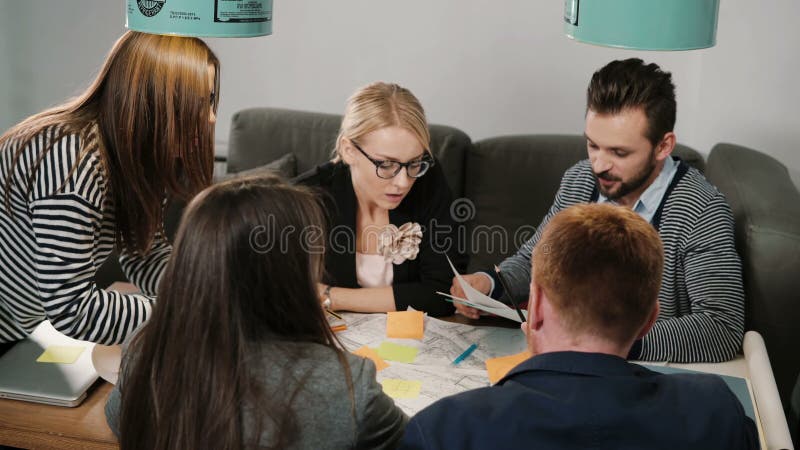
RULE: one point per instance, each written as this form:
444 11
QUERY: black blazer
427 203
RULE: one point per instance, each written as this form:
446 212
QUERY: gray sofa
508 183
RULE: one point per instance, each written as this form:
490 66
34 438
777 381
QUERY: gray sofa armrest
794 422
766 209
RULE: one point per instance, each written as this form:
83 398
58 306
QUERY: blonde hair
149 105
600 265
380 105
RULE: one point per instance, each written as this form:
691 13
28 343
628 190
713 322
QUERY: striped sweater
701 297
56 237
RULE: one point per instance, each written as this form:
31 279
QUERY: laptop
62 382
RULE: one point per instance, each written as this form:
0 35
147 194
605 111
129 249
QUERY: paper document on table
443 340
479 300
432 382
432 365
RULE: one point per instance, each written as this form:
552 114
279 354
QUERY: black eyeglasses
389 169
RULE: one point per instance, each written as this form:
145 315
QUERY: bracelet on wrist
326 303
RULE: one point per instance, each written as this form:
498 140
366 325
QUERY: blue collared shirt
648 202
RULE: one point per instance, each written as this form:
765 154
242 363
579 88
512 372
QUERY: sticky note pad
395 352
61 354
499 367
370 353
401 388
405 324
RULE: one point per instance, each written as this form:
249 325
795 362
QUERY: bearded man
630 116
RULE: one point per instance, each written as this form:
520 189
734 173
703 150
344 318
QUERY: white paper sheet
479 300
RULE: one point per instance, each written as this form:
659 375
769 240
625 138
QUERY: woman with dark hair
94 173
238 353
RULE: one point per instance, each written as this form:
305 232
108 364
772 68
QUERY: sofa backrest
511 182
261 135
502 186
766 210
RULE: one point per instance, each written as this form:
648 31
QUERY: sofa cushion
261 135
285 167
511 182
766 210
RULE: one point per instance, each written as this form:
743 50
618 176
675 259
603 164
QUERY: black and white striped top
701 297
55 239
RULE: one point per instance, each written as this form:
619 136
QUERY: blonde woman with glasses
389 209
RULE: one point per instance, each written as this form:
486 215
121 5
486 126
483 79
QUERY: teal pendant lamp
643 24
201 18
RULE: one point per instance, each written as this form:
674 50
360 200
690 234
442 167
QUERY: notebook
47 367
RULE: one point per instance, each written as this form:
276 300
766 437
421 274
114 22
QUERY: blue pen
466 353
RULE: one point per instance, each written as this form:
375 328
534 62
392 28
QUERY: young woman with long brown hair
95 172
238 353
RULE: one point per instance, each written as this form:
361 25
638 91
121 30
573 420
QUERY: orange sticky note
499 367
405 324
370 353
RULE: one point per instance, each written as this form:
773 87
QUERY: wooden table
32 425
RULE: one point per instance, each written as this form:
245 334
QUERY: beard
626 187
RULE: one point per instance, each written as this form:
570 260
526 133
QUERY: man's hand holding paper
479 282
476 299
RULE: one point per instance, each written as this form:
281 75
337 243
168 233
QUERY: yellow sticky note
405 324
395 352
370 353
499 367
401 388
60 354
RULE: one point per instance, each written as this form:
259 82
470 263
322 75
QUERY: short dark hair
630 83
601 268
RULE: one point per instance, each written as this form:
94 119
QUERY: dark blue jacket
571 400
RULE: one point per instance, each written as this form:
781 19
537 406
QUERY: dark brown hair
234 283
151 103
630 83
601 267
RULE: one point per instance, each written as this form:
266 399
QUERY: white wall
488 68
9 101
53 50
749 84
